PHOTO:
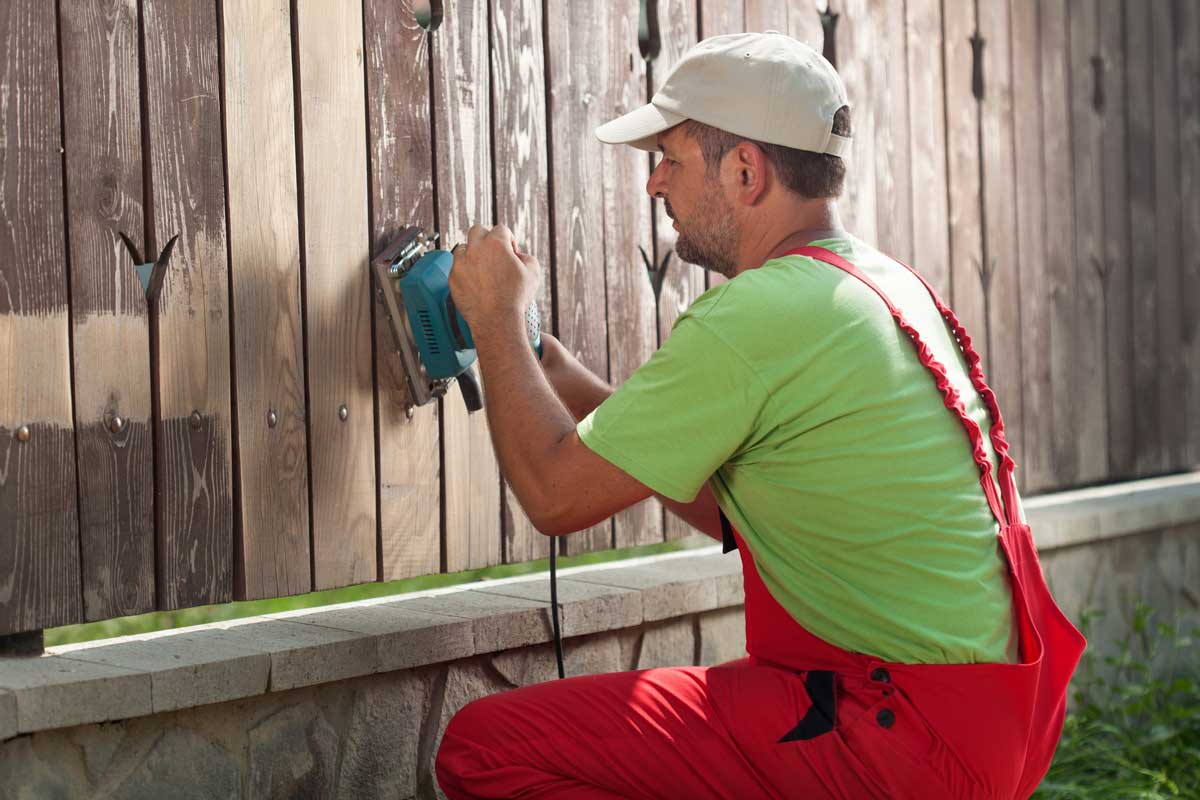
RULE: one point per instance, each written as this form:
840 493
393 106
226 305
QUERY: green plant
1134 731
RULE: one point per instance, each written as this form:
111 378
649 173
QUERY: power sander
431 336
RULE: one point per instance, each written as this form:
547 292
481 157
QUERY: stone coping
186 667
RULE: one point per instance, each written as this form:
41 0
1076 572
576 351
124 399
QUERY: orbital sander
433 340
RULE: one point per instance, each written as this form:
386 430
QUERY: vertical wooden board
192 439
578 48
401 194
962 174
1088 377
927 142
719 17
1172 382
797 18
337 291
39 548
272 521
1119 354
1060 237
683 282
893 148
1002 288
102 133
1033 442
1188 25
632 317
522 201
856 43
464 181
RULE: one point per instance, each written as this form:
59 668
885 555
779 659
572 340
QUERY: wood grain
401 194
272 546
39 548
719 17
1188 82
578 47
522 189
797 18
856 43
462 122
102 133
632 316
337 291
192 435
893 149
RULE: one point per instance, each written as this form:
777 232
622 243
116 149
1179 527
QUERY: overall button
885 718
880 674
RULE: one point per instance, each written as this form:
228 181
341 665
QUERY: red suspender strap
950 395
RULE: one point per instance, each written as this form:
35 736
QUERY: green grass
1134 731
159 620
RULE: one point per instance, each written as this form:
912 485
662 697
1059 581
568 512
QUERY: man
811 412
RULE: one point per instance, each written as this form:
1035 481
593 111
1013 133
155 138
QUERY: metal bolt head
343 412
196 420
23 433
272 418
116 424
409 411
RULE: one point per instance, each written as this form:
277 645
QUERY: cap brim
639 128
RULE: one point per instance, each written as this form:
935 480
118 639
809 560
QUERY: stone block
8 715
722 636
37 767
668 644
585 607
403 638
500 622
182 765
669 589
306 655
292 753
584 655
380 753
188 667
54 691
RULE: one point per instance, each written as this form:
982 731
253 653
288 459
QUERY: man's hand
492 281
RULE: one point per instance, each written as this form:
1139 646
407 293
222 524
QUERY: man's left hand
492 280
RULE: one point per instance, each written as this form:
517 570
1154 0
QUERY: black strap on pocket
822 713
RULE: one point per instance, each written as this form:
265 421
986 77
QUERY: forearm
580 389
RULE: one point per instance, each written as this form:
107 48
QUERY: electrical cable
558 648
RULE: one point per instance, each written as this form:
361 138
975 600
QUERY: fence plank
401 194
927 141
893 151
1188 65
39 550
1172 382
856 42
192 435
462 122
272 555
797 18
1002 291
683 282
1118 284
1060 236
337 292
577 48
1034 453
632 315
519 131
102 133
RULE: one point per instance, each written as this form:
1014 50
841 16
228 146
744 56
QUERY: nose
655 187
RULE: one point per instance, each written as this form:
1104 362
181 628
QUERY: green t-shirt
827 444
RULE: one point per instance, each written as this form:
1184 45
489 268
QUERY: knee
461 755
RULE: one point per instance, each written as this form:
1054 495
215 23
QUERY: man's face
695 200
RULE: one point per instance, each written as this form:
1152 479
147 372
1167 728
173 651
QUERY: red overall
798 718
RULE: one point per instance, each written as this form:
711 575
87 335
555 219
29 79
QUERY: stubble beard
709 238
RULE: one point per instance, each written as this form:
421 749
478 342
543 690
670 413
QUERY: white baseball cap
764 86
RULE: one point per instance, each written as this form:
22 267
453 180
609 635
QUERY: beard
709 238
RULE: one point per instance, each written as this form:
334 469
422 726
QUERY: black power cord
558 648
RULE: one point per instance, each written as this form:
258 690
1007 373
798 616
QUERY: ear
752 174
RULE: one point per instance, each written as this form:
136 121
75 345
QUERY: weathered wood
797 18
856 43
1188 82
192 435
719 17
39 546
963 174
272 524
102 137
893 150
462 122
578 46
632 317
1002 293
1032 443
1060 236
927 142
337 292
522 197
683 282
1172 382
401 194
1115 245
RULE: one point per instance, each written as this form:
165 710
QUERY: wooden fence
244 435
